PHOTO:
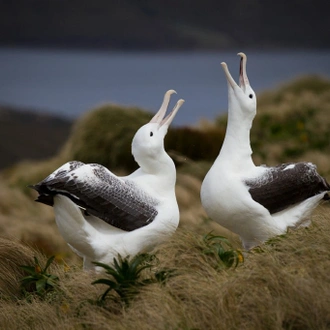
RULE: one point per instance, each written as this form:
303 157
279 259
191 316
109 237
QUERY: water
69 83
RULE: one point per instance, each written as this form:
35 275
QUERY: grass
283 284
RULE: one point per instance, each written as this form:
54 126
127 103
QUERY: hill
292 123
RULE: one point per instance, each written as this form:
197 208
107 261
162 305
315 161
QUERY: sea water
68 83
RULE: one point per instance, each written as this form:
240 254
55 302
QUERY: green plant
38 280
222 250
125 276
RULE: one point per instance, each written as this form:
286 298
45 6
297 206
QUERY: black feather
282 186
121 204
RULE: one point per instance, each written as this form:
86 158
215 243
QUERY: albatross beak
230 79
243 79
167 120
159 116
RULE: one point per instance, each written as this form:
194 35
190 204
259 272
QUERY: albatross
101 215
256 202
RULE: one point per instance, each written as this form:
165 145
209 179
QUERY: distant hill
292 124
30 135
164 24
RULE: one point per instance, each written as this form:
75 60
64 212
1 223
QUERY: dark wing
286 185
45 196
100 193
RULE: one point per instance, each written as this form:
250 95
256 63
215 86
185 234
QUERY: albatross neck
161 167
236 148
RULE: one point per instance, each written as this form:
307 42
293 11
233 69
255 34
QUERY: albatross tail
44 197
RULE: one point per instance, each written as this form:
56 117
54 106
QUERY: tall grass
282 285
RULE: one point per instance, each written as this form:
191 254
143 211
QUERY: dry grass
282 285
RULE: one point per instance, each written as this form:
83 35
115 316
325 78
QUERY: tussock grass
12 255
284 284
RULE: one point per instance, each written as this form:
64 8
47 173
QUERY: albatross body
256 202
101 215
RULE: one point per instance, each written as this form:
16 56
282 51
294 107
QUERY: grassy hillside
284 284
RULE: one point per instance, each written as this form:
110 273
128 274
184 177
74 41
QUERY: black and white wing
287 184
100 193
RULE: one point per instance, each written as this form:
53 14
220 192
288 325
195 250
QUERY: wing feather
285 185
102 194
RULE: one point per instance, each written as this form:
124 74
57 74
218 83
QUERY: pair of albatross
101 215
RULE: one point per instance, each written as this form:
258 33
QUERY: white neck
161 170
236 145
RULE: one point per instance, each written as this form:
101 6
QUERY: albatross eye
151 133
251 96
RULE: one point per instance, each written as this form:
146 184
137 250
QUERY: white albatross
256 202
101 215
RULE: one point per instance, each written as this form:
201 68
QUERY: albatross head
241 97
148 142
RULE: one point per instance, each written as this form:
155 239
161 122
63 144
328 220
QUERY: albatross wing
100 193
287 184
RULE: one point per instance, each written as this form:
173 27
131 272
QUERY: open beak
230 79
159 117
243 79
